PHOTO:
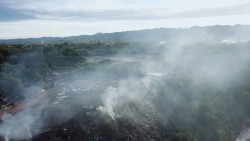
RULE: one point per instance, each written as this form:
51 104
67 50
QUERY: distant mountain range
211 34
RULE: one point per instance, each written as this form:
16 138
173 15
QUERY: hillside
210 34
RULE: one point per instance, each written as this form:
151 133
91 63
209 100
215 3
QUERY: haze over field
162 71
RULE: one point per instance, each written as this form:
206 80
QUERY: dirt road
27 104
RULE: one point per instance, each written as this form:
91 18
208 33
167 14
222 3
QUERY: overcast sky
59 18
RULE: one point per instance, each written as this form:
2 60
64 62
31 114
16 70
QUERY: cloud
213 12
142 14
63 10
102 15
8 14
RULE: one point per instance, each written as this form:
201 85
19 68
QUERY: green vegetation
24 65
202 113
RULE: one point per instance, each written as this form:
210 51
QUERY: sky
61 18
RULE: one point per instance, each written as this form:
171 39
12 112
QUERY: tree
11 85
41 68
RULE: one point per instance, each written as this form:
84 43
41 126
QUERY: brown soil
21 106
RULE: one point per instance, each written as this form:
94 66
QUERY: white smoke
109 101
18 126
127 91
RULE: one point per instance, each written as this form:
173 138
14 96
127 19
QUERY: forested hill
210 34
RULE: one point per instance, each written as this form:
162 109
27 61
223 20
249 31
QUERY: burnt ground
90 124
76 118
